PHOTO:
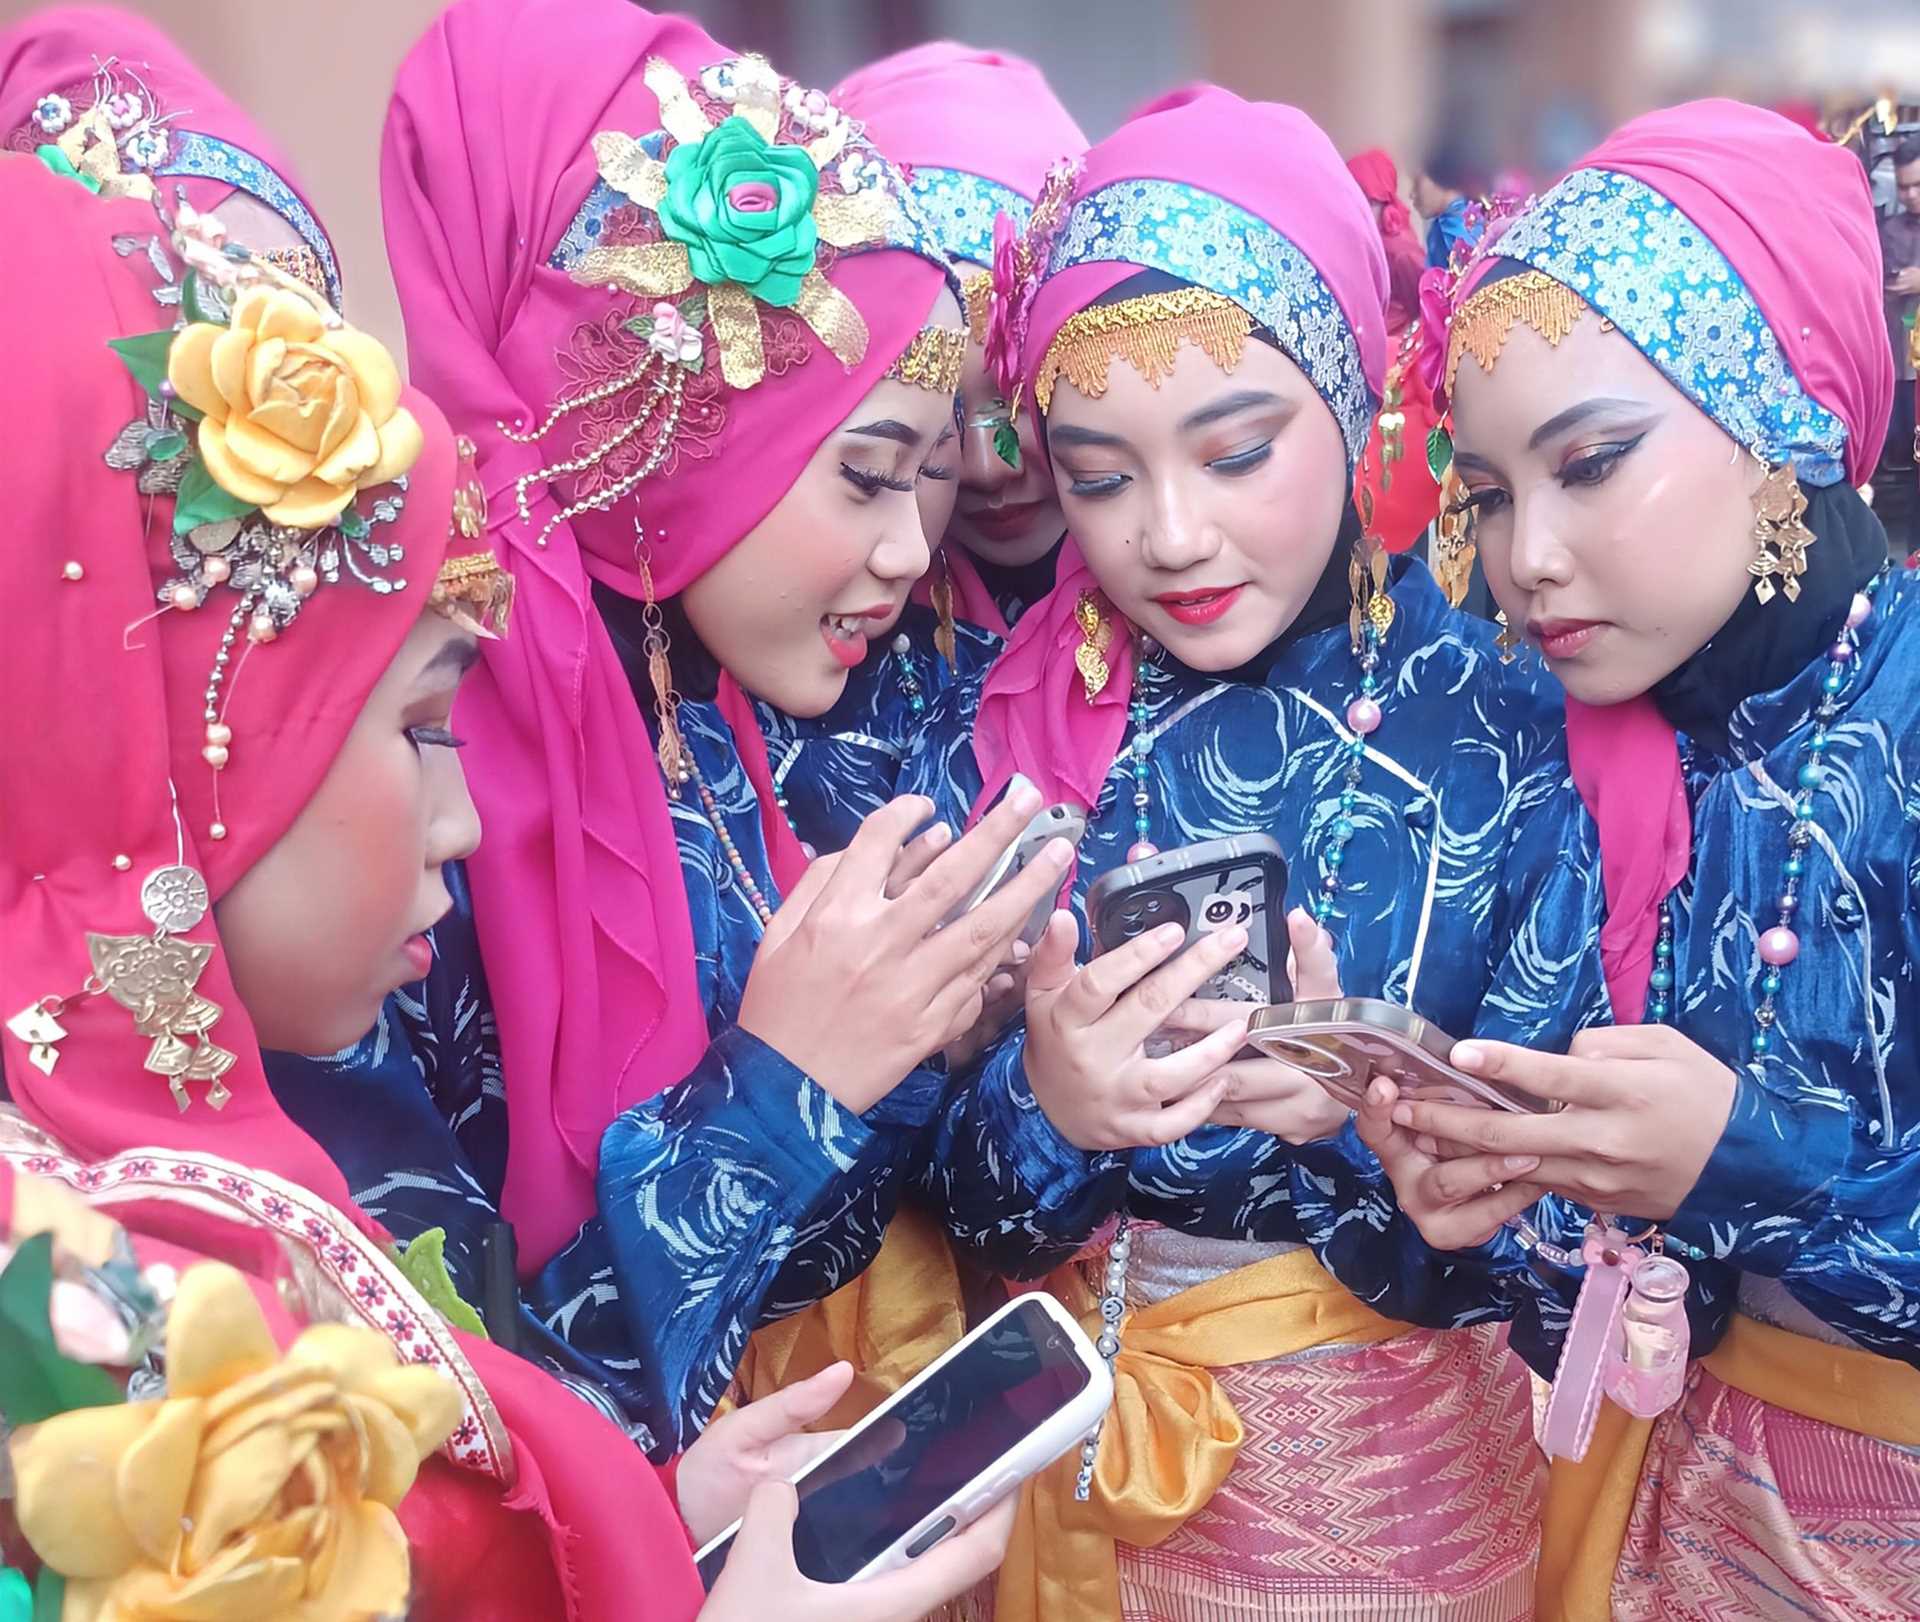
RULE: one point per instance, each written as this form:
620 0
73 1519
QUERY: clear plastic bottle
1650 1365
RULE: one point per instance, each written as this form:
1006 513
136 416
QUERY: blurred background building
1502 84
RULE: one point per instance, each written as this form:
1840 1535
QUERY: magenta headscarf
55 63
977 130
1793 215
582 907
1267 161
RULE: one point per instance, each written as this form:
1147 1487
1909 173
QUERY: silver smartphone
1051 822
1343 1042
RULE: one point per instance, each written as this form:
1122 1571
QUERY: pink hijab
206 142
1274 163
948 107
582 908
1793 215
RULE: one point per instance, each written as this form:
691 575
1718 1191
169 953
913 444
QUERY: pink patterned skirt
1397 1481
1746 1511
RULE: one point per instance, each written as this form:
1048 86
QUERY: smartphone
1023 1389
1343 1042
1052 822
1205 888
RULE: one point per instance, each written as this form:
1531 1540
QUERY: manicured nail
1521 1162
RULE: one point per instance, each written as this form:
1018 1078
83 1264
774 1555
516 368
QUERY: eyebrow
1067 434
890 428
1574 415
1229 405
456 658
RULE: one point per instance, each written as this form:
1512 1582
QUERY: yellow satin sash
1584 1521
889 1323
1172 1435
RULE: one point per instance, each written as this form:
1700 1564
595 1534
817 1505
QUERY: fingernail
1427 1144
1025 797
1468 1055
1403 1115
1058 853
1377 1093
1169 935
1521 1162
940 835
1234 939
1021 952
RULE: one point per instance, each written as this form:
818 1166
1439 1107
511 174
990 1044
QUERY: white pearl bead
73 571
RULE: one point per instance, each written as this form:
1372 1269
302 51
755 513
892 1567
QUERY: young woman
712 485
1668 375
238 848
975 132
1205 350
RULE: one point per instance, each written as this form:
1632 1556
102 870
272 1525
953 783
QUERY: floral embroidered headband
727 217
111 134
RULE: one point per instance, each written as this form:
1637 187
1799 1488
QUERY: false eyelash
436 737
871 483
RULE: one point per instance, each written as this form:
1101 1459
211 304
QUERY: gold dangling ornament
153 978
940 594
1096 636
1367 581
1508 639
1780 533
676 763
1454 548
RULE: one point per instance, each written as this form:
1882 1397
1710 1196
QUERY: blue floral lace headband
961 208
1643 265
1203 239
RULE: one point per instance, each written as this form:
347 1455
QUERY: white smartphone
1051 822
1023 1389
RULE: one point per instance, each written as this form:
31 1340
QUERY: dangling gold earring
1367 584
1508 639
1454 547
1780 533
941 595
1096 636
676 764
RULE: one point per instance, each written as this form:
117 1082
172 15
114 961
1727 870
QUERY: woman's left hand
1644 1107
763 1441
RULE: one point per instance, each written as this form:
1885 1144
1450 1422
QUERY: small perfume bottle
1648 1370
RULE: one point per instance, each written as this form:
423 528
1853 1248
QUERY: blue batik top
1469 891
832 771
738 1195
1815 1182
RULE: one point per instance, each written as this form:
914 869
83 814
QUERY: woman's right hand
856 982
1456 1201
763 1580
1087 1030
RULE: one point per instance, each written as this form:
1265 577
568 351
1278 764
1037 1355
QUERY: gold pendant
152 977
1780 534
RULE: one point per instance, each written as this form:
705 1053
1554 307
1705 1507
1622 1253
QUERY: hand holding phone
764 1580
853 949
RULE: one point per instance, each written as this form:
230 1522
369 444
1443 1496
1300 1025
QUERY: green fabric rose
744 210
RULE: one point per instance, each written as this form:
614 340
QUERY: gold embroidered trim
302 264
933 360
1482 325
1147 333
977 290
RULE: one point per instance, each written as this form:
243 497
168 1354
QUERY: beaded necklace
1364 715
712 808
1780 945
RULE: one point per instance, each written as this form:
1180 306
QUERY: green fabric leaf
16 1596
424 1262
62 165
1439 452
1006 445
36 1380
201 501
146 357
49 1596
196 310
165 445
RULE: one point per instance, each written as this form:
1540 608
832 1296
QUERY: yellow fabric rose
298 416
260 1487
